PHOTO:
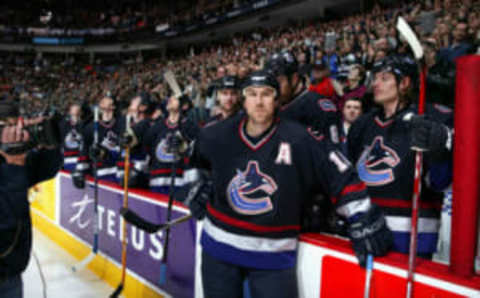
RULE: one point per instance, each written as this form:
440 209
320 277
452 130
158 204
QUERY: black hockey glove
369 234
97 152
78 179
127 140
196 196
429 135
177 143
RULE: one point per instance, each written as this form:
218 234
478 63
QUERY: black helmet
400 66
228 82
282 63
261 78
146 100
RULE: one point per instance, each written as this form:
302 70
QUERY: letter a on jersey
284 154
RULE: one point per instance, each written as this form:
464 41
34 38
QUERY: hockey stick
172 83
163 265
368 277
407 33
94 251
149 227
126 172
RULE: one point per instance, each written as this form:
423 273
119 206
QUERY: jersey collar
262 141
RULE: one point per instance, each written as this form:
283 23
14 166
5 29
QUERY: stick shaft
125 205
368 276
417 188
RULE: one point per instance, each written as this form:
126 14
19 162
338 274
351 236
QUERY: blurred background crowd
335 56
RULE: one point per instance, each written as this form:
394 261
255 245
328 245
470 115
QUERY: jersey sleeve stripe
353 188
397 203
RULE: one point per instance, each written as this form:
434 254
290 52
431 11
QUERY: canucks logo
376 164
162 153
72 140
110 141
249 191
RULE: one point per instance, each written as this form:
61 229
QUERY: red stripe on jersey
353 188
71 153
396 203
165 171
122 164
248 225
82 158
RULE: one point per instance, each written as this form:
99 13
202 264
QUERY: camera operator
29 154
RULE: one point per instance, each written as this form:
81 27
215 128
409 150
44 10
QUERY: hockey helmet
282 63
261 78
400 66
228 82
146 100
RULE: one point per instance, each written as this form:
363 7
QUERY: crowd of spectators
342 51
122 16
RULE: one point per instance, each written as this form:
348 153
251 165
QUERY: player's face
173 104
133 107
352 110
106 108
260 104
227 98
74 113
385 88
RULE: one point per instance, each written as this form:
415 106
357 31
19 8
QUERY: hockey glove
97 152
196 196
176 143
369 234
128 140
429 135
78 179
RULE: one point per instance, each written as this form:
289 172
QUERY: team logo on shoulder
72 140
376 164
162 153
327 105
250 191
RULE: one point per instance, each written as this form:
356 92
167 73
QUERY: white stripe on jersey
69 160
249 243
106 171
165 181
403 224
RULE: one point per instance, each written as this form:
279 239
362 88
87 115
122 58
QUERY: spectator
460 45
321 82
354 87
350 112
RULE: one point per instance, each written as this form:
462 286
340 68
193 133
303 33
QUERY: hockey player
262 170
140 110
71 132
227 97
300 104
381 142
106 153
167 143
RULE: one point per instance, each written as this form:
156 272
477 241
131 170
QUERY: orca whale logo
376 164
72 140
250 191
162 153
